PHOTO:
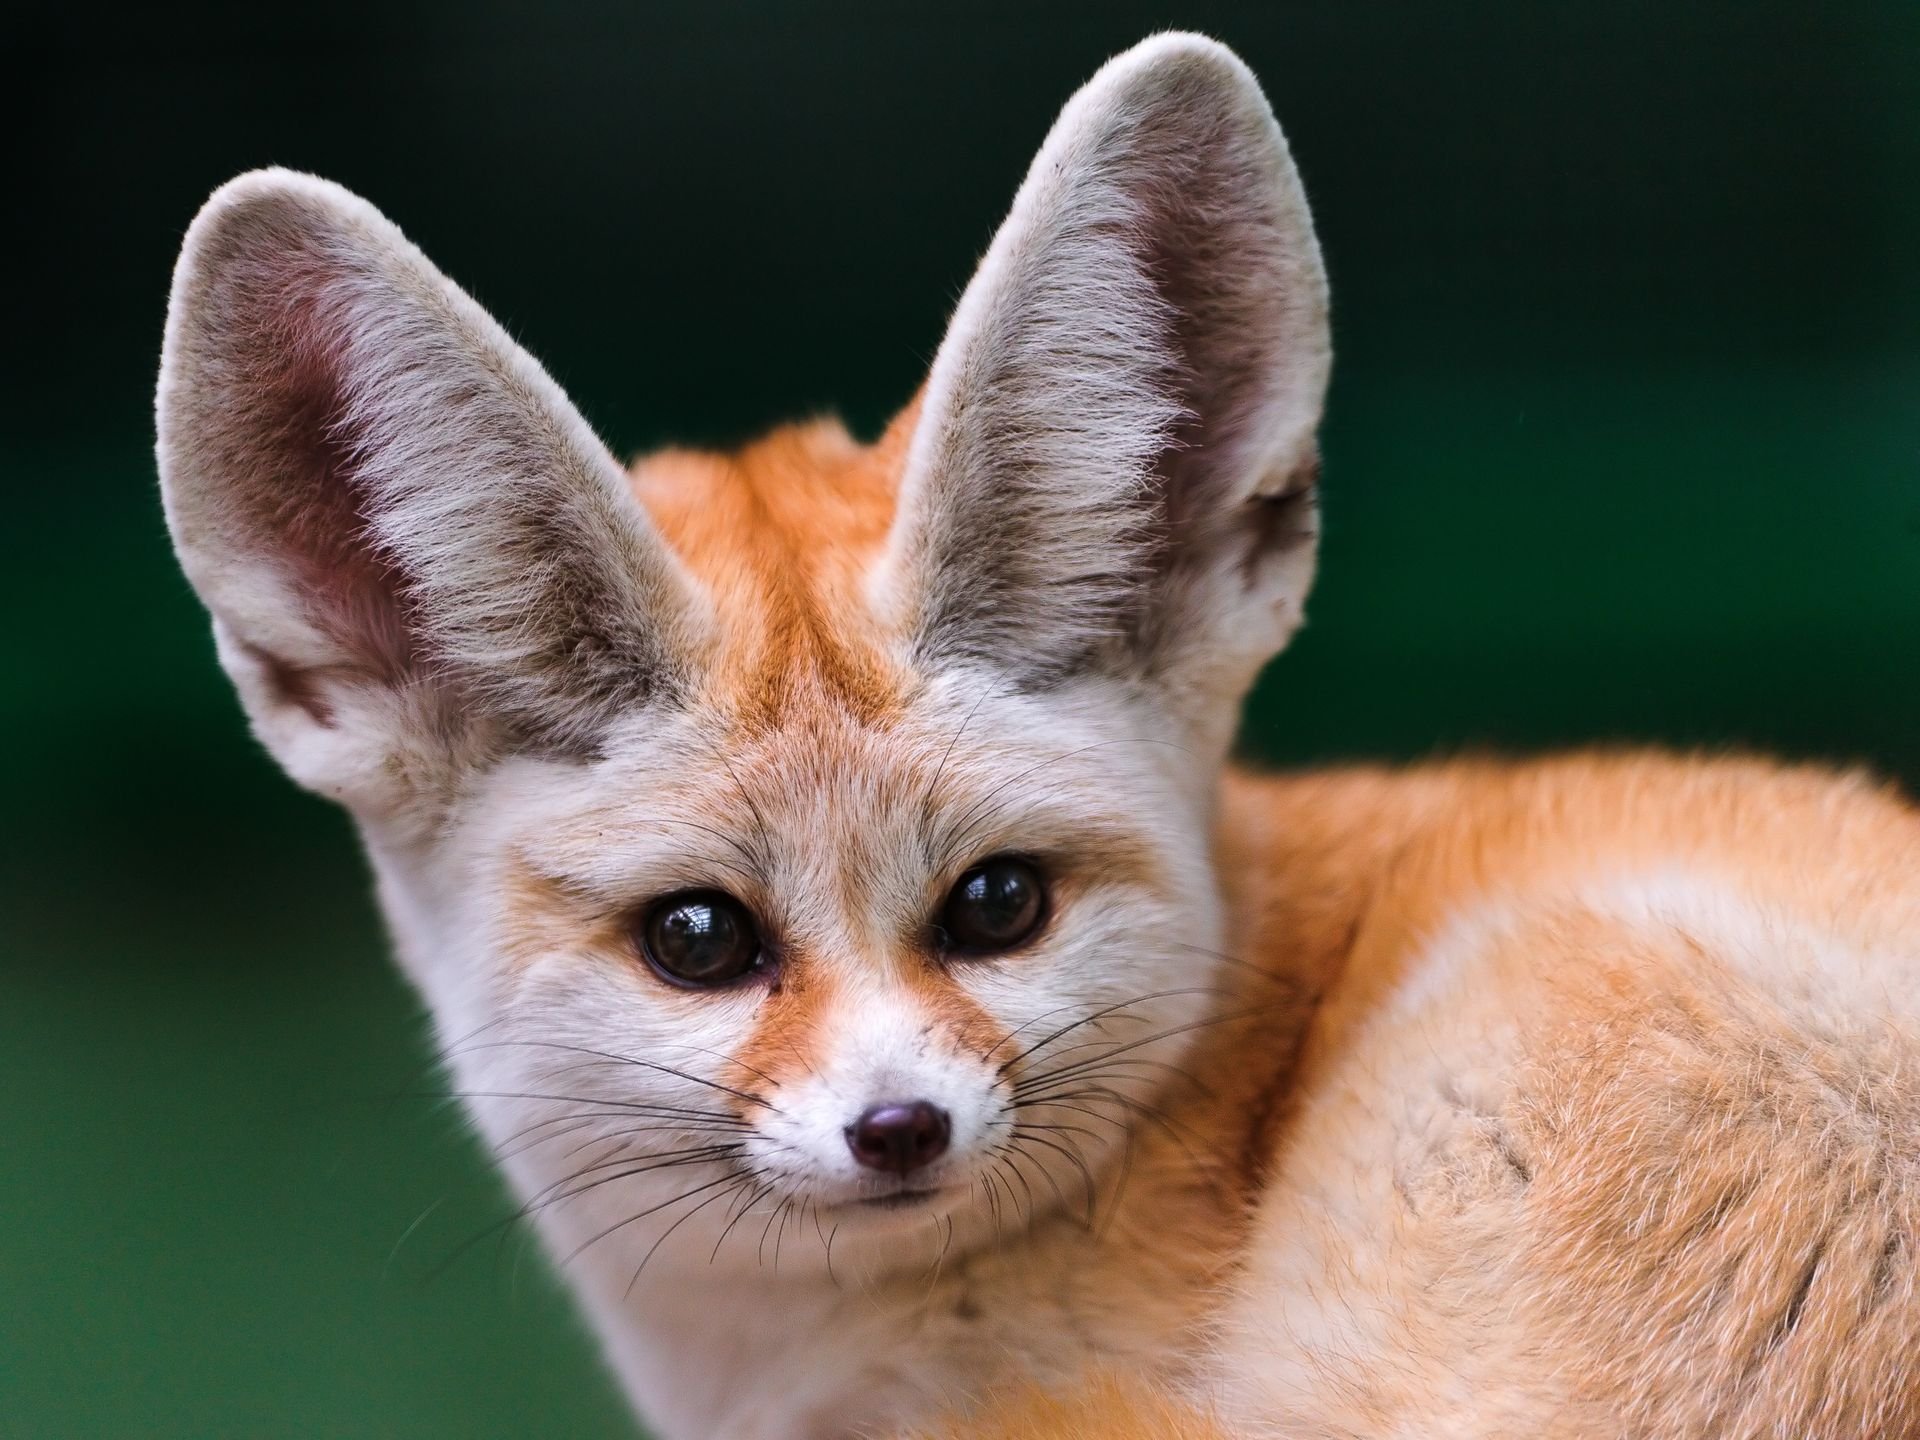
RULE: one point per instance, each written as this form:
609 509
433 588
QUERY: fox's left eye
995 906
700 937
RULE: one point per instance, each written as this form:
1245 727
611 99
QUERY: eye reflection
995 906
700 938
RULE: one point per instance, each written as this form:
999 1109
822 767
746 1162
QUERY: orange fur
1695 1213
1108 1407
783 1035
782 532
1692 1206
1570 1098
1704 1205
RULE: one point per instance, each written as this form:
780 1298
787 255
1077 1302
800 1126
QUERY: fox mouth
897 1199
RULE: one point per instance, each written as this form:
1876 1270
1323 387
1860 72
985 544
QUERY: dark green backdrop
1625 444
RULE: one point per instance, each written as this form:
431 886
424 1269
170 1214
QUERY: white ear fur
1115 458
398 521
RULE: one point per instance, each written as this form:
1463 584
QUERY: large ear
1115 461
412 545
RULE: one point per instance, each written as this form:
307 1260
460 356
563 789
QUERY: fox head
818 829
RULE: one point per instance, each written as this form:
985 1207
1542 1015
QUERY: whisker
830 1238
1119 1185
993 1202
993 1195
668 1232
1285 981
445 1049
755 868
565 1125
1026 1024
611 1057
724 1058
1067 1105
643 1214
1118 1067
778 1211
752 1198
1014 1156
1003 1166
941 1258
1089 1086
1099 1014
1073 1158
933 785
753 808
1026 1125
1140 1107
634 1166
638 1107
610 1136
533 1206
407 1234
1065 1071
961 827
779 1238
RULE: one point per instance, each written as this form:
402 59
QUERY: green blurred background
1625 444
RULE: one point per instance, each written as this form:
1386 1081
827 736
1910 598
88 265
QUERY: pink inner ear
303 486
1228 319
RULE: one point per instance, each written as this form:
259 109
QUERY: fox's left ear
1115 462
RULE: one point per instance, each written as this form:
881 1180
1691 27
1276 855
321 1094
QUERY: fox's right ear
412 545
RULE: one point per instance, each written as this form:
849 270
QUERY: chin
901 1208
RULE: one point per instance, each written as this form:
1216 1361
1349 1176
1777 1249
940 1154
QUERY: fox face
854 957
818 833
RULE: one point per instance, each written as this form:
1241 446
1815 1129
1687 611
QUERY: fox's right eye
700 937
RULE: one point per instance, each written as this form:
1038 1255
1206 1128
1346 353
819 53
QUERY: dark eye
995 906
700 937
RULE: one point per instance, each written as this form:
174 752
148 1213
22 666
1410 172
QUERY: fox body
834 905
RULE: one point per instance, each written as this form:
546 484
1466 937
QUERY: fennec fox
833 902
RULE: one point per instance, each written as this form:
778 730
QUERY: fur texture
1106 1405
1572 1098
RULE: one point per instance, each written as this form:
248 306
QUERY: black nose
900 1136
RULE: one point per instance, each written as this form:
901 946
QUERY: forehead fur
871 820
784 533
